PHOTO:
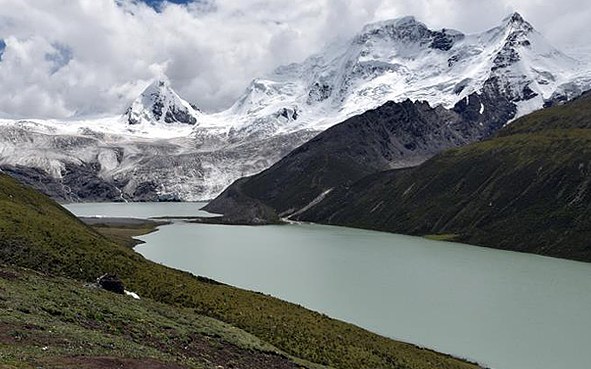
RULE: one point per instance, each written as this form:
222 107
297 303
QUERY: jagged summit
408 30
160 104
517 21
401 23
515 28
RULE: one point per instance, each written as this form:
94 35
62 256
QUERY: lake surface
505 310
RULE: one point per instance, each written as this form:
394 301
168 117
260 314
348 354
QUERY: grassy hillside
572 115
35 232
528 189
54 322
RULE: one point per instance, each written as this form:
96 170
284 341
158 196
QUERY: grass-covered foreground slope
528 189
54 322
35 232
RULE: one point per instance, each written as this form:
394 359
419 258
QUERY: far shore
124 230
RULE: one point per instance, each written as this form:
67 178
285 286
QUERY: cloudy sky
64 58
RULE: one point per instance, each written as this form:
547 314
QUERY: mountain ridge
391 136
450 66
163 148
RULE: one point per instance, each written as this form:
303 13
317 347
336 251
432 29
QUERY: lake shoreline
138 226
123 230
502 309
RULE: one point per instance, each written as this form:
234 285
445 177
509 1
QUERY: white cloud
82 57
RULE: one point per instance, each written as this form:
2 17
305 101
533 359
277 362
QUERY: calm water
505 310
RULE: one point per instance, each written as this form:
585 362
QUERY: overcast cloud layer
63 58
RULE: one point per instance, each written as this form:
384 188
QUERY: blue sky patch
2 48
157 3
60 58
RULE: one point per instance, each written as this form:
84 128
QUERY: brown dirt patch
106 362
220 353
7 275
28 334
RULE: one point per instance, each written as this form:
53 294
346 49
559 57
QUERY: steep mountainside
391 136
35 232
163 148
528 189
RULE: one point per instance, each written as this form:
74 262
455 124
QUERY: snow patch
132 294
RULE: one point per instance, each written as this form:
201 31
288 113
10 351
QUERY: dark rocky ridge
392 136
81 183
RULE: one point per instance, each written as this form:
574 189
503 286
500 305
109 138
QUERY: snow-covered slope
162 147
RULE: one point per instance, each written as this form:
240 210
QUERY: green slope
54 322
36 232
528 189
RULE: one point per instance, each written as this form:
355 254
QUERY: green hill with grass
37 233
55 322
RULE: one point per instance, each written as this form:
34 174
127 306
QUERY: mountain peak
403 58
161 83
408 30
403 22
515 17
516 22
159 103
408 20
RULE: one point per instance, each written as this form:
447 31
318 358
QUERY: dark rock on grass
111 283
7 275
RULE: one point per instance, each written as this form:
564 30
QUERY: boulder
111 283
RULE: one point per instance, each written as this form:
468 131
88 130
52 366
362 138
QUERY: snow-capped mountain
403 58
162 147
160 104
